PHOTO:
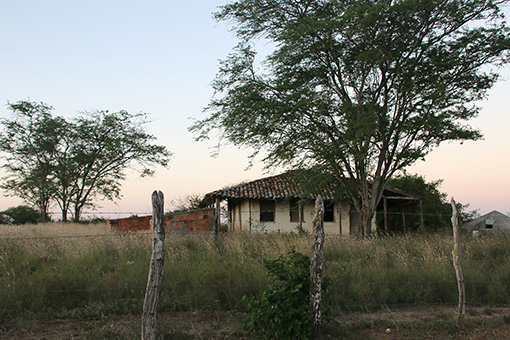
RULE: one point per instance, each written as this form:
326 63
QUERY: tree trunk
43 208
77 213
366 215
64 207
367 206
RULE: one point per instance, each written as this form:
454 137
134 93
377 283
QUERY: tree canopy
20 215
437 210
357 89
73 163
29 143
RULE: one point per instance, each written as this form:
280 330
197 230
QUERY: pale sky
160 57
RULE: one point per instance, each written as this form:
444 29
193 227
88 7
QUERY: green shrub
20 215
281 309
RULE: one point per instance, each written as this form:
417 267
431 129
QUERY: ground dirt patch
423 323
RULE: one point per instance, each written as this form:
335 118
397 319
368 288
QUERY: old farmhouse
492 222
276 204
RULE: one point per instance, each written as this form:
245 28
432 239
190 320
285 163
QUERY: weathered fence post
461 312
156 267
316 266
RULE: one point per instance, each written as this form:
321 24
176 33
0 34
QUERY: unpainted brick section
130 224
193 221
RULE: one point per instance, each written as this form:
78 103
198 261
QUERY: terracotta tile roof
278 187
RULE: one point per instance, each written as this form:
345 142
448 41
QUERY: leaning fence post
316 266
156 268
461 312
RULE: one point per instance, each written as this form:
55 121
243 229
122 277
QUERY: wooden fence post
156 267
461 312
316 266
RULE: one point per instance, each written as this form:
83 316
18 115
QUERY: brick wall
191 221
130 224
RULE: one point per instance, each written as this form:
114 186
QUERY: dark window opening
267 211
296 211
329 211
230 207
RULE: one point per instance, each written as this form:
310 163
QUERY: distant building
491 222
277 204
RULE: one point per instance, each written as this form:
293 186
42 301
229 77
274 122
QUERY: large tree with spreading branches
355 89
49 159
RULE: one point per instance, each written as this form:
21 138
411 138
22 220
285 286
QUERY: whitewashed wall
244 216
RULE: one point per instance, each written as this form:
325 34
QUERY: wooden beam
385 203
404 198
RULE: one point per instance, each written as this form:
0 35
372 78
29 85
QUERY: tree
437 210
30 142
21 214
74 163
355 89
104 145
186 203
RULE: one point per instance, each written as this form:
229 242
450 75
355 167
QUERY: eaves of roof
283 186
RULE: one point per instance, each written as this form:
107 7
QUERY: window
231 211
266 211
489 223
296 211
329 211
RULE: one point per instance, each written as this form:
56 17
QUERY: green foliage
5 219
29 144
20 215
281 310
186 203
356 89
437 211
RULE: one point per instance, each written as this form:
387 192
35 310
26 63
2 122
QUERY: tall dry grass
75 270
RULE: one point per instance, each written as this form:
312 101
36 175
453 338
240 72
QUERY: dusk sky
160 57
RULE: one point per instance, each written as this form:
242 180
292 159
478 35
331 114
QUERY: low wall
201 220
130 224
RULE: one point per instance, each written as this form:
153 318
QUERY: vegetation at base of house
87 271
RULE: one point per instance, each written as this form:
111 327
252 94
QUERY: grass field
91 274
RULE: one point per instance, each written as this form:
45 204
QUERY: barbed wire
342 281
134 213
145 213
123 233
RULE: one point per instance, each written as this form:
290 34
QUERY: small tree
281 310
21 214
186 203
